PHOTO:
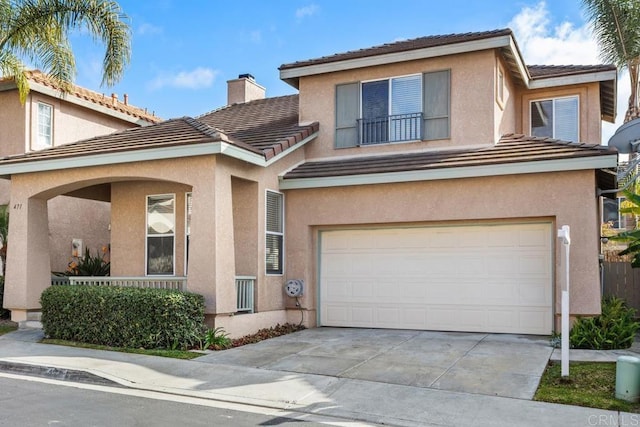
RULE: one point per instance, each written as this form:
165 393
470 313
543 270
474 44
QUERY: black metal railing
399 127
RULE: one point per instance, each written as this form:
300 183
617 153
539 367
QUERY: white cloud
307 11
149 29
542 43
198 78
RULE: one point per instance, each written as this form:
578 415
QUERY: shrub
615 328
89 265
123 317
216 339
3 313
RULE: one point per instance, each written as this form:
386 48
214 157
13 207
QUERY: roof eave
292 75
72 99
149 154
515 168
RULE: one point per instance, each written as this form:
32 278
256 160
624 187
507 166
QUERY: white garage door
490 278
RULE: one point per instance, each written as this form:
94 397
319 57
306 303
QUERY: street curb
53 373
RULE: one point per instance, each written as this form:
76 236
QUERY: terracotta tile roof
547 71
269 124
263 127
39 77
401 46
510 149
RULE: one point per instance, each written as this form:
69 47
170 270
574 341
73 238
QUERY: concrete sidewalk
353 399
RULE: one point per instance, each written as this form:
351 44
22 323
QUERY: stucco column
224 244
28 262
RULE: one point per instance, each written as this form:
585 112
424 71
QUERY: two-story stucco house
416 185
49 119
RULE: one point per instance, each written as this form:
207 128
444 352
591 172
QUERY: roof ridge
255 101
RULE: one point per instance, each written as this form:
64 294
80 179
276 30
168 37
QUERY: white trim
553 103
541 82
146 235
292 74
186 232
266 231
542 166
148 155
36 145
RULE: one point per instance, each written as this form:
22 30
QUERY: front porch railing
179 283
244 293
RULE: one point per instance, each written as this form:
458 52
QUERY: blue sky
183 52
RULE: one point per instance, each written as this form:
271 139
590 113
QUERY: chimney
126 99
244 89
114 99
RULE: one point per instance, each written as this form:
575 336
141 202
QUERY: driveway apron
491 364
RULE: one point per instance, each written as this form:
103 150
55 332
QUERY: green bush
4 314
615 328
123 317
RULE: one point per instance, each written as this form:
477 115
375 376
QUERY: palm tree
38 31
616 26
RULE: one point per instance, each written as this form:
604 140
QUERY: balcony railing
178 283
399 127
244 293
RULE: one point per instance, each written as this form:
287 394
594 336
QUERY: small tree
631 237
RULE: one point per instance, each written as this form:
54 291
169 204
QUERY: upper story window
555 118
404 108
45 125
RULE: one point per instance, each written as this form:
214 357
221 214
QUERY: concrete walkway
372 401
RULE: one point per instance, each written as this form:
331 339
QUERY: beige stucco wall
13 127
70 122
561 198
73 218
228 200
472 117
590 126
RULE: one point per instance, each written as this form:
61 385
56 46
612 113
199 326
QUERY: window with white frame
555 118
161 221
188 209
274 232
45 125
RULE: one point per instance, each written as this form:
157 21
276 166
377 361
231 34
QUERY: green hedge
123 317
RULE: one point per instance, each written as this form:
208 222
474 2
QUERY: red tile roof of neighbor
109 102
265 127
510 149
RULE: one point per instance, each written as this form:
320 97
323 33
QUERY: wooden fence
622 281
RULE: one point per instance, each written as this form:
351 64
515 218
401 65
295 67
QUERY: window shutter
566 119
437 102
347 112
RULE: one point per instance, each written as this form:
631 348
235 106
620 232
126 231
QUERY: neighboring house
416 185
49 119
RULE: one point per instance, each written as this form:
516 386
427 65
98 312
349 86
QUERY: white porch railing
179 283
244 290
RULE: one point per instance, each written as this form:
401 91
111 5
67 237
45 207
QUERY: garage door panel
494 278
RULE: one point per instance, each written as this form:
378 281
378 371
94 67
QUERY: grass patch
590 384
174 354
6 328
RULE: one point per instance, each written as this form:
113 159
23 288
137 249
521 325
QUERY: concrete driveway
491 364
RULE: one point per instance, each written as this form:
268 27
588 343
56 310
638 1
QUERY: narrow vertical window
160 234
500 84
45 125
274 232
188 209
